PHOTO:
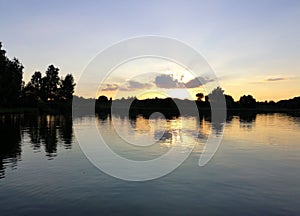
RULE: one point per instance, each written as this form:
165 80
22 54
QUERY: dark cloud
167 81
162 81
197 82
110 87
275 79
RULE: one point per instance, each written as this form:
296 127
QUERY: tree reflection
44 131
48 131
10 136
247 119
217 125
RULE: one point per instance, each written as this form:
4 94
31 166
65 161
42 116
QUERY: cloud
167 81
128 86
110 87
134 85
197 82
275 79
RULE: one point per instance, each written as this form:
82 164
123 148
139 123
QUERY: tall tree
50 84
11 74
36 80
67 88
31 93
34 86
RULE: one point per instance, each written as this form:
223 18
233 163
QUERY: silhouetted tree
36 80
247 101
272 103
102 99
206 99
215 96
11 73
229 101
33 88
216 93
289 104
67 88
50 84
103 104
199 96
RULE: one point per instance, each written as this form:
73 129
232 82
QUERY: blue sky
253 46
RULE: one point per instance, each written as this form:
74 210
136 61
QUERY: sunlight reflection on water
255 170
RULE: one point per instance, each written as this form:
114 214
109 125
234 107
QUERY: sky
253 46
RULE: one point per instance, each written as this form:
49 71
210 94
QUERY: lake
256 169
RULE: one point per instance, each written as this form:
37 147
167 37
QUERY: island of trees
169 106
43 93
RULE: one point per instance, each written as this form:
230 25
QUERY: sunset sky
253 46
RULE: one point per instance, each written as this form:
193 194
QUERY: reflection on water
128 137
47 131
10 136
44 131
255 170
247 120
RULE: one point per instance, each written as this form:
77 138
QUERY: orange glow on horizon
265 91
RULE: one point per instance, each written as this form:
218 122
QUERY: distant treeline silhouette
44 92
170 105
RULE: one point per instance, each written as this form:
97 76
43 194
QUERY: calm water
256 169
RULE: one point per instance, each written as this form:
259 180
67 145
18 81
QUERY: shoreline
25 110
19 110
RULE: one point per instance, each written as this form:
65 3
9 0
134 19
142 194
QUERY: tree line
49 87
203 102
245 101
248 102
41 90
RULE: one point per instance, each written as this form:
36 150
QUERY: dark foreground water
256 170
